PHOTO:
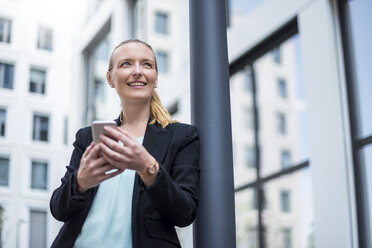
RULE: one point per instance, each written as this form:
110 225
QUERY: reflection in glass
288 216
282 109
246 219
360 21
366 159
242 118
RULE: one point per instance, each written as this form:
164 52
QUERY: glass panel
41 128
37 229
98 89
45 39
240 8
360 20
288 215
5 30
161 23
37 81
39 175
282 109
6 75
2 122
246 219
366 163
4 171
242 120
162 60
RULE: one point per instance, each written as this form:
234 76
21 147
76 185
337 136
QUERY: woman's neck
135 119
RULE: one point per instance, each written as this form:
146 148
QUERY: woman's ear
109 79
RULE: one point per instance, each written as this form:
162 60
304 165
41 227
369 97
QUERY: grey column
210 99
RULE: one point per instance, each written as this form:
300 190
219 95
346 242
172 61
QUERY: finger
113 158
99 162
113 155
89 148
119 134
95 151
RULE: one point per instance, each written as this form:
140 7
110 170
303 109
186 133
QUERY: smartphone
97 129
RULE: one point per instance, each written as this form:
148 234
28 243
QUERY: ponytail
158 112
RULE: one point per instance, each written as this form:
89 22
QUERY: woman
154 186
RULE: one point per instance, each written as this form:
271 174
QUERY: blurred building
299 94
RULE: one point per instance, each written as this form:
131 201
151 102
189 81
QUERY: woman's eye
148 65
126 63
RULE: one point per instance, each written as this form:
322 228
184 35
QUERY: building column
210 100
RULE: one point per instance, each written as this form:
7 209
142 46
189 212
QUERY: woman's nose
137 70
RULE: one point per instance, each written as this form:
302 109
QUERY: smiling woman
154 186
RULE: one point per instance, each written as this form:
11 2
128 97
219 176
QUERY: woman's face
133 74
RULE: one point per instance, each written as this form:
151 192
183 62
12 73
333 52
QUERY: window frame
8 39
38 137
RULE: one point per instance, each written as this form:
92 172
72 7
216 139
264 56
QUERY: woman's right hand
93 168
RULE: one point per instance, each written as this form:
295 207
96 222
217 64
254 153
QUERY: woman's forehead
133 50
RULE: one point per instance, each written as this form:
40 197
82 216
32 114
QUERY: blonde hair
158 112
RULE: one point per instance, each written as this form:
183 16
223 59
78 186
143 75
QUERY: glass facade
361 36
273 214
355 19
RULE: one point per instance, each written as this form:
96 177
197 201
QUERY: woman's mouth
137 84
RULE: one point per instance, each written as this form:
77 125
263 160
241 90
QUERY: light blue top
109 221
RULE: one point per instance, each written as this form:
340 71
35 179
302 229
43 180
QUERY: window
6 75
38 229
161 23
262 201
173 109
45 39
41 128
162 61
282 123
282 88
277 58
4 171
286 238
286 159
2 122
37 81
250 157
285 201
5 30
39 175
355 20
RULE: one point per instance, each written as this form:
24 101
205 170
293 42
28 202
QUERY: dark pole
210 100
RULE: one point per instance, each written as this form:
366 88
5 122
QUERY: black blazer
171 201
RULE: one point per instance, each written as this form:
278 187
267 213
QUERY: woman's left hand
130 155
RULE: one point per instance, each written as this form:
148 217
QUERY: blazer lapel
156 141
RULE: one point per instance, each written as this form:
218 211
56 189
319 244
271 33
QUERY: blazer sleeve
66 199
175 194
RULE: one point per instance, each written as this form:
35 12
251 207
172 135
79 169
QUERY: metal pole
210 93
